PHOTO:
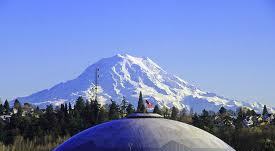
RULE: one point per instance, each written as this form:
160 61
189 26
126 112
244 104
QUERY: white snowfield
125 75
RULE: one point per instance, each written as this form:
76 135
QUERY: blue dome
144 132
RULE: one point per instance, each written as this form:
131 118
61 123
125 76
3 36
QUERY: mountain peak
126 55
132 58
124 75
139 60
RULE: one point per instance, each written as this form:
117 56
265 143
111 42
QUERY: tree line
67 120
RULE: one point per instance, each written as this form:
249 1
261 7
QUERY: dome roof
144 132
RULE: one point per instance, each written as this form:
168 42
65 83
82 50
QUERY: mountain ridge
126 75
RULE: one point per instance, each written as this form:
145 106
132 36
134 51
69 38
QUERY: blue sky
226 47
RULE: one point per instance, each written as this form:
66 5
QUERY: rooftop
144 132
144 115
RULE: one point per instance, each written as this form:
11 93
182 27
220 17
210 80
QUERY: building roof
144 115
144 132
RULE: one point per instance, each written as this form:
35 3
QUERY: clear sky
225 47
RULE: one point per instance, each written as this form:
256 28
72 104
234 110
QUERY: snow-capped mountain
125 76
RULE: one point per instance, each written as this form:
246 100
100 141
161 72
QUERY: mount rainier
125 75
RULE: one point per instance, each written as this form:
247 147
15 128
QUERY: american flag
148 104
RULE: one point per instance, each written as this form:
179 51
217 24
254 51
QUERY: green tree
86 114
240 117
141 107
66 108
265 112
123 107
17 106
165 112
95 109
184 112
157 110
6 107
103 115
49 109
70 108
196 121
185 117
222 111
130 109
175 112
79 104
206 120
49 120
1 109
113 111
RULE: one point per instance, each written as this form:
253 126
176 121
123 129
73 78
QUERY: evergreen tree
205 113
37 111
141 107
165 112
240 117
17 106
6 107
185 117
79 105
222 111
49 109
196 121
95 109
61 126
206 121
103 115
265 112
130 109
113 111
70 108
1 109
123 107
86 114
184 112
157 110
66 110
174 115
62 108
49 120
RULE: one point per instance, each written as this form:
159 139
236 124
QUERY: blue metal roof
144 134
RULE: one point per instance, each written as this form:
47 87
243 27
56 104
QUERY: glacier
124 75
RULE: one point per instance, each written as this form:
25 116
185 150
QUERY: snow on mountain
125 75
